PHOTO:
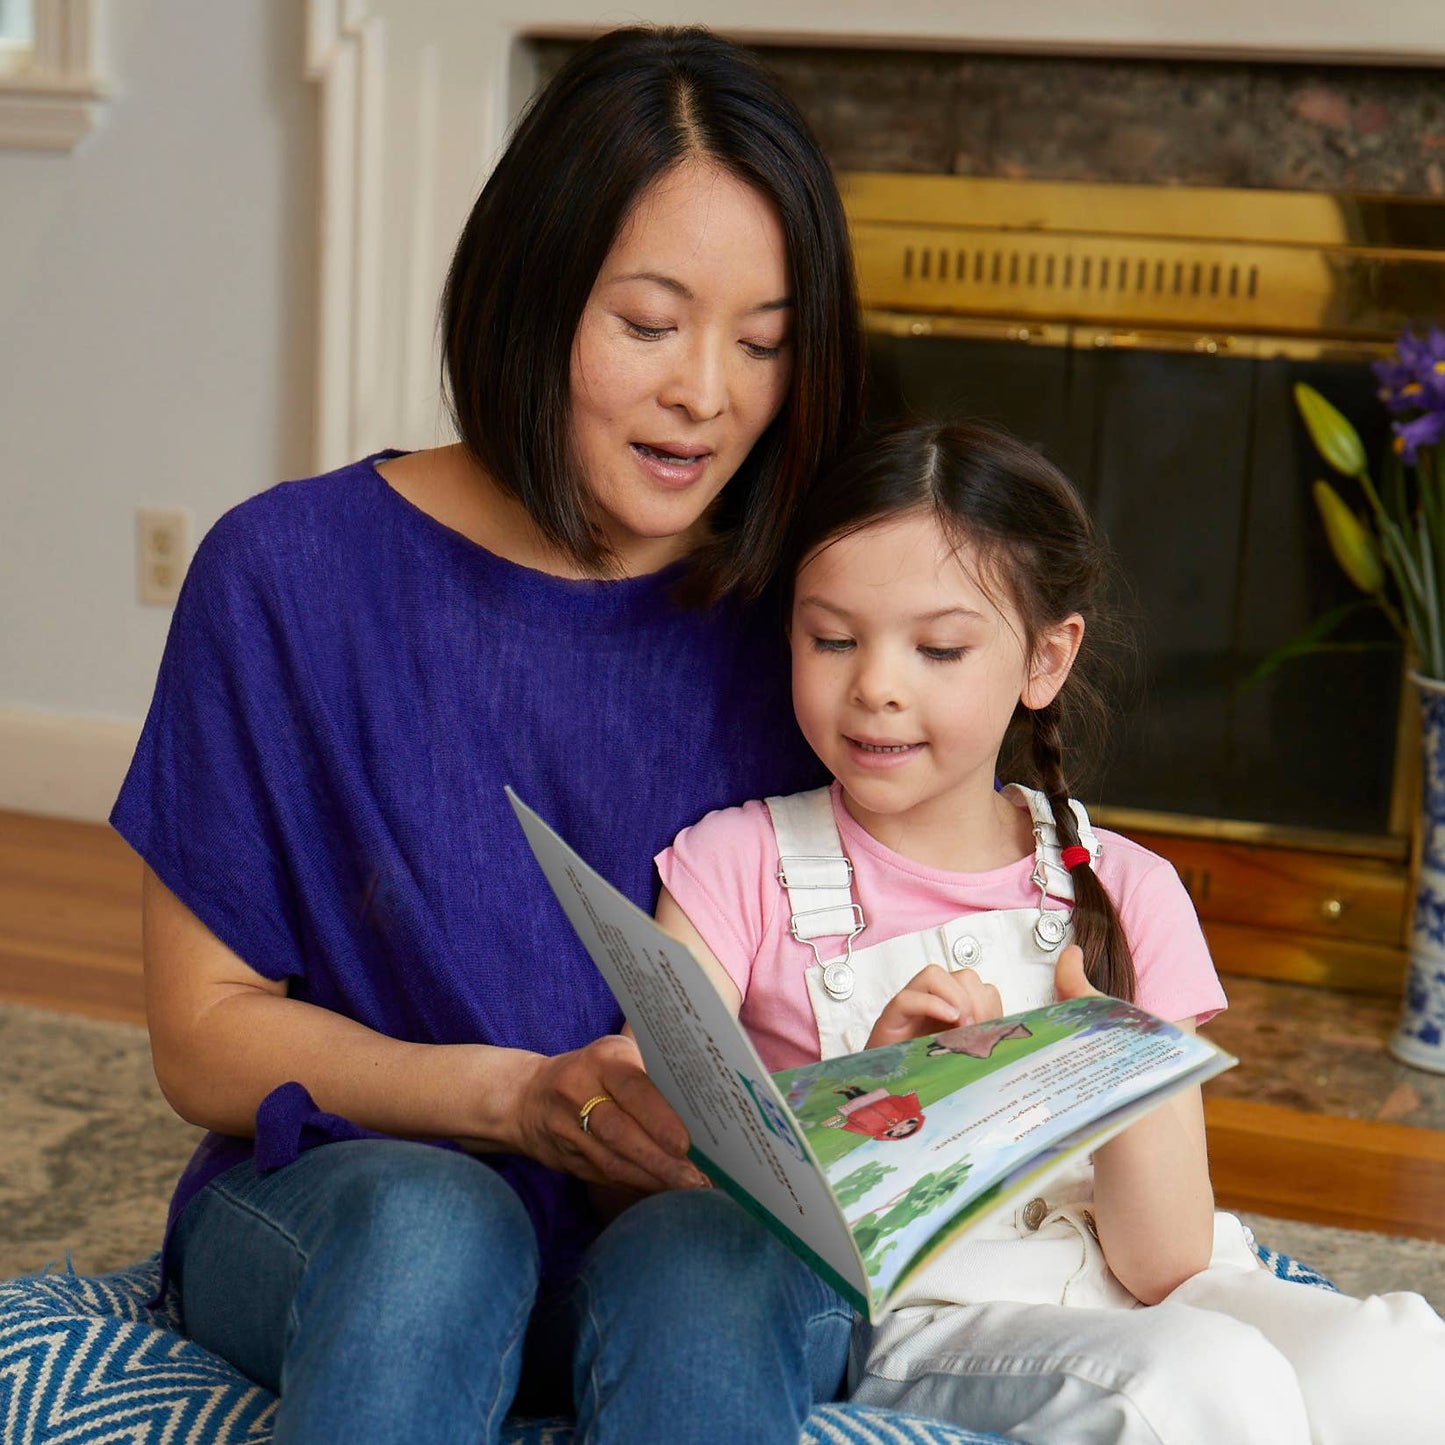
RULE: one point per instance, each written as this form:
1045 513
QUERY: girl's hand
1069 979
633 1138
932 1001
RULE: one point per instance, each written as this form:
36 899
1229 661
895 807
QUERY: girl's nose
697 384
877 686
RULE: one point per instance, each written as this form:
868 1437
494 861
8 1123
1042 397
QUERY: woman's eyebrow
671 283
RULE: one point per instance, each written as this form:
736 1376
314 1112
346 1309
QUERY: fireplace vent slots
993 269
1260 263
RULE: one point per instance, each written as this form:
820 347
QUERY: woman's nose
697 383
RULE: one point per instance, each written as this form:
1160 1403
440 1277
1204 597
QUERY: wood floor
70 942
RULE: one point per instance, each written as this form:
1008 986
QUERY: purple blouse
346 688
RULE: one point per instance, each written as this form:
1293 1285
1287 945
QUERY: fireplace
1148 338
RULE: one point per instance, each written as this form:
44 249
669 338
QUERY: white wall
157 314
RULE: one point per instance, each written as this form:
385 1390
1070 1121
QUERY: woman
651 346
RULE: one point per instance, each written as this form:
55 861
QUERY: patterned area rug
89 1151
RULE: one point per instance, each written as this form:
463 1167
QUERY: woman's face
682 358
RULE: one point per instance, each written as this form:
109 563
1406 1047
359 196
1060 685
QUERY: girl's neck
974 835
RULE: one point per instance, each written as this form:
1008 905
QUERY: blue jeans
388 1291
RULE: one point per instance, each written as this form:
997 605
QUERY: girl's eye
943 654
759 352
644 333
832 644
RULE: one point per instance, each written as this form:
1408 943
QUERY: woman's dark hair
1033 538
624 110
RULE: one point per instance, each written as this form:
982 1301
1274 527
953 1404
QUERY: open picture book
866 1165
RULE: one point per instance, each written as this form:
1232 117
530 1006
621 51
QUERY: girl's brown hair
623 111
1035 540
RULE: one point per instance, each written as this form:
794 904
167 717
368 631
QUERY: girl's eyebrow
671 283
965 613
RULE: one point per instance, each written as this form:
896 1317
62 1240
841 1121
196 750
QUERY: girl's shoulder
742 831
1137 875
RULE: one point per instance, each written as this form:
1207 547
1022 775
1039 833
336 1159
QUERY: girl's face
906 674
681 359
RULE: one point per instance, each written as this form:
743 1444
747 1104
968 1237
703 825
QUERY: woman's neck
452 488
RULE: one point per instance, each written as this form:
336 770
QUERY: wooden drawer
1323 895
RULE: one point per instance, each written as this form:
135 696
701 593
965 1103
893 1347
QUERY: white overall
1021 1327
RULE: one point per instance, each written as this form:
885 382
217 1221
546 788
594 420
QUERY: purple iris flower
1426 430
1413 380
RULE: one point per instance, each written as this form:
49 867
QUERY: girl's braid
1097 929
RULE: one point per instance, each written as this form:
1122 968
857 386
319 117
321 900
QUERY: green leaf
1315 638
1334 438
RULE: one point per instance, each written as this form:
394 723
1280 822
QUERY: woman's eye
943 654
761 352
832 644
642 332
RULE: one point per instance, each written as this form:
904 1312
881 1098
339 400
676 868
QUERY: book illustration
876 1114
979 1040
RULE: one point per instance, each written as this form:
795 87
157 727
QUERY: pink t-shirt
723 873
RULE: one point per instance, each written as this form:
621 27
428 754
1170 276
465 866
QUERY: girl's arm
674 922
223 1036
1153 1202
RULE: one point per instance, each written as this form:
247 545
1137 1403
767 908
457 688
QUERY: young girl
938 618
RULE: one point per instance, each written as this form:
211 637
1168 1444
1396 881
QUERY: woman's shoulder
298 538
298 511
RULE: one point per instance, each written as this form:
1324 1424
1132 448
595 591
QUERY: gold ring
584 1113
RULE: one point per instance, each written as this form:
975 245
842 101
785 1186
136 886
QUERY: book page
921 1138
743 1136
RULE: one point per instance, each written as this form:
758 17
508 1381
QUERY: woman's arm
223 1036
1153 1202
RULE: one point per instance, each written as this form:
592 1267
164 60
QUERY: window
49 72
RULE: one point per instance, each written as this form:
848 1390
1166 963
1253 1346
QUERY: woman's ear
1052 661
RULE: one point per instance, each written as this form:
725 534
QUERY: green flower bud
1334 438
1350 540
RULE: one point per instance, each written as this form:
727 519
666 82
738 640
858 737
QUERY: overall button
967 951
1050 928
1035 1212
838 980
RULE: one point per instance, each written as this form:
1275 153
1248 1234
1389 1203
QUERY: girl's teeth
891 748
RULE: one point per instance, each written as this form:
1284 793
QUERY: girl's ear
1052 661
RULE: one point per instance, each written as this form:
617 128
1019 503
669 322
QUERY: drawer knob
1331 908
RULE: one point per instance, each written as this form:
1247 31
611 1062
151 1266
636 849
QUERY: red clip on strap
1075 857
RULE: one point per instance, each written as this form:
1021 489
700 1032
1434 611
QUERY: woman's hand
633 1138
933 1000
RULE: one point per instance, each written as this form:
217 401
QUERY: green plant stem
1430 602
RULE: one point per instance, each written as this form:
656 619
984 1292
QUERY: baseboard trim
63 767
1323 1169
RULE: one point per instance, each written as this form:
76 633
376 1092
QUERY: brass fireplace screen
1148 338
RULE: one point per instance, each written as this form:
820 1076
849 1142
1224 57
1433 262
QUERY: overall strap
1049 872
814 869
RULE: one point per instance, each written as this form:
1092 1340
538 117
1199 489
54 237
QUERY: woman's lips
672 466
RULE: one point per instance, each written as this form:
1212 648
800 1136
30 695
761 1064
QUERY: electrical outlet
162 543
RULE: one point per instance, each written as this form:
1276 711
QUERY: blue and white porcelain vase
1419 1039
